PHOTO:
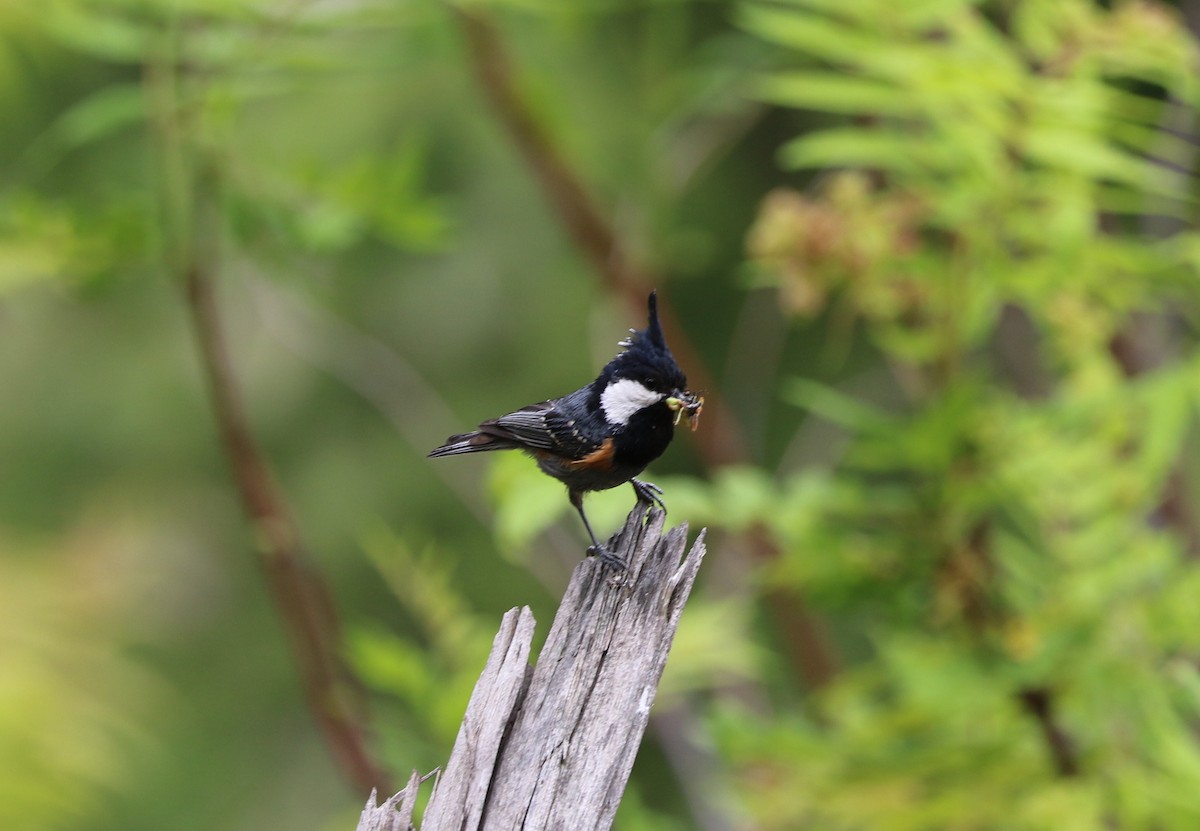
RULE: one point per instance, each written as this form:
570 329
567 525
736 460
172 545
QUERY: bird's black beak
686 402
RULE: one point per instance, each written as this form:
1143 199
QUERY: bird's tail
475 442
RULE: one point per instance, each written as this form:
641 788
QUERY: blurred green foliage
939 259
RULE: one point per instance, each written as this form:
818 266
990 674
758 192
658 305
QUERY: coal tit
604 434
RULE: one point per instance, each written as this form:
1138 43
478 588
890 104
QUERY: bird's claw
615 562
649 493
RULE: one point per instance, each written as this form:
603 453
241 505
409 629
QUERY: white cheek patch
621 399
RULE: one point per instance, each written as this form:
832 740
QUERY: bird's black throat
645 437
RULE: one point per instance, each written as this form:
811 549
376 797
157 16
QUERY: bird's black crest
646 356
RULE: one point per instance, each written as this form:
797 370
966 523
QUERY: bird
604 434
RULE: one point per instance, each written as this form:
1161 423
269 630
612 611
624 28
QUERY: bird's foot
649 493
608 558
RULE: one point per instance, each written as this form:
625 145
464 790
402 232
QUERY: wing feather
551 426
527 426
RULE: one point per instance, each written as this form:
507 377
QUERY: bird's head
646 375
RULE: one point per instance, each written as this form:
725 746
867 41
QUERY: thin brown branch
580 216
967 574
722 442
804 636
191 236
299 591
1039 702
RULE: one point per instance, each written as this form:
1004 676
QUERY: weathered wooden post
550 748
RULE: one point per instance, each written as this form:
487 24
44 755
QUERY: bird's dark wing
527 427
525 430
559 427
577 430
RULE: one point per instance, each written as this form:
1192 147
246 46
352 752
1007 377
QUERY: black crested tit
604 434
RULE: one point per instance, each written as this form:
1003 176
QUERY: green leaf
527 501
713 647
811 35
390 664
745 495
100 115
855 147
837 407
1168 412
100 32
1081 152
828 92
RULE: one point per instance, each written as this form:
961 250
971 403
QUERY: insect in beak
686 402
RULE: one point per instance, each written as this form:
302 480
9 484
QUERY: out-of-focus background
934 265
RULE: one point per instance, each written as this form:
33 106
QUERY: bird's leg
606 556
649 493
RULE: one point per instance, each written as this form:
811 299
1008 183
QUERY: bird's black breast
645 437
591 455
